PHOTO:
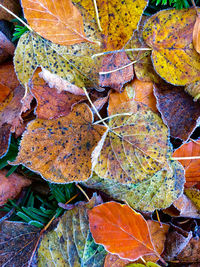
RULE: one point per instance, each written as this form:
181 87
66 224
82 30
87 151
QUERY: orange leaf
196 34
11 186
51 103
137 90
58 21
121 230
7 71
192 170
60 149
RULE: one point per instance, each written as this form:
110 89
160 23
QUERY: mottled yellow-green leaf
60 149
72 63
148 264
71 243
118 19
158 192
194 195
193 89
136 147
169 34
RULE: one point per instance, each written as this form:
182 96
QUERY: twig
81 189
158 217
121 50
10 12
97 15
185 158
112 116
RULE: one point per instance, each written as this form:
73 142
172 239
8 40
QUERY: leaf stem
10 12
123 67
185 158
81 189
112 116
122 50
97 15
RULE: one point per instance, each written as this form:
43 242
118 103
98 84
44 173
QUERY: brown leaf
192 170
4 138
190 254
53 147
121 230
11 186
7 70
178 110
13 6
116 79
112 260
196 34
52 103
17 241
57 21
177 240
4 92
6 44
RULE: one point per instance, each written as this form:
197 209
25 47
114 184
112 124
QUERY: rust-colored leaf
178 110
7 70
58 21
116 79
192 170
196 34
51 103
11 186
53 147
4 92
121 230
169 34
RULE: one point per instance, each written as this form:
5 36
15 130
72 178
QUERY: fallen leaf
190 254
4 138
158 192
71 243
196 34
194 195
177 240
53 147
51 103
7 70
118 19
120 230
13 6
172 46
193 89
72 63
191 166
6 44
17 242
136 146
137 90
112 260
178 110
11 186
4 92
185 208
60 84
147 264
59 22
116 79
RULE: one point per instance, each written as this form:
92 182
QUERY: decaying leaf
4 92
7 70
177 240
193 89
178 110
190 254
4 138
71 243
169 33
118 19
11 186
158 192
72 63
53 147
13 6
17 242
117 79
191 166
112 260
136 147
5 38
196 34
59 22
51 103
121 230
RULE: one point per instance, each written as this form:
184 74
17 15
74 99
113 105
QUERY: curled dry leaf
196 34
120 230
172 46
118 19
53 147
71 243
58 21
52 103
11 186
136 146
191 166
17 242
178 110
116 79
